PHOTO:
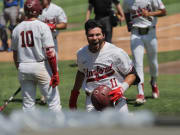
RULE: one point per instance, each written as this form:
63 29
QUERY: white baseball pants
32 75
149 43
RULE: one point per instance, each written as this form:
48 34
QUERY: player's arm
15 59
51 56
61 26
120 13
89 11
130 79
75 91
58 26
158 13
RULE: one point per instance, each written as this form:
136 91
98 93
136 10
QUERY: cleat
42 100
140 99
155 91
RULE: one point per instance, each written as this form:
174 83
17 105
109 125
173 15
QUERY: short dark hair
91 24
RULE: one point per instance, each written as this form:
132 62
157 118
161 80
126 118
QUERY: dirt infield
168 31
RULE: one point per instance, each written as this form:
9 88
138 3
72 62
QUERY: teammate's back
32 40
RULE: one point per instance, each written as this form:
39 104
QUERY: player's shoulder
114 49
113 46
82 51
55 7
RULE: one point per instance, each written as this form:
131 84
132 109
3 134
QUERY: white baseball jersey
134 7
107 67
53 14
26 39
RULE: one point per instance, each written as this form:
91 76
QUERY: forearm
61 26
51 56
88 13
120 12
75 91
128 81
78 81
158 13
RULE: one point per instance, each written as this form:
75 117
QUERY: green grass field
167 104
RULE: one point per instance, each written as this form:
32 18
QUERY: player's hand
145 13
73 99
52 26
116 94
54 80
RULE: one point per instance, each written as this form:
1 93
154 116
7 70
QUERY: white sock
141 88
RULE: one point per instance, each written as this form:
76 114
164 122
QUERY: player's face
95 39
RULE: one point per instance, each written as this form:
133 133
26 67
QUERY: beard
95 46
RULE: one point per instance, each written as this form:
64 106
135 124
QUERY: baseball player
141 17
55 17
32 45
102 63
10 13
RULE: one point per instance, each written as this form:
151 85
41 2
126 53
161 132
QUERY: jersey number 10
27 39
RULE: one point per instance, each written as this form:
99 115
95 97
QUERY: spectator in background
103 12
9 15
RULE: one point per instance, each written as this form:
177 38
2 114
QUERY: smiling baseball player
102 63
141 17
32 46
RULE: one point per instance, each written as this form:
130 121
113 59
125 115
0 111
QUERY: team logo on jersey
98 73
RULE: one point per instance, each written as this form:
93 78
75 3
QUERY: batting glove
52 26
116 94
54 80
73 99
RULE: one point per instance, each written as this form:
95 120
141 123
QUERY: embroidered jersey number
113 82
27 39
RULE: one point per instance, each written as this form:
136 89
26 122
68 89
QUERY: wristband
125 86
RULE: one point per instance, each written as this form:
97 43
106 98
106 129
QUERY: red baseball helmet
32 8
100 98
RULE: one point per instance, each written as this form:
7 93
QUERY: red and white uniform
29 39
135 6
107 67
54 15
141 42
